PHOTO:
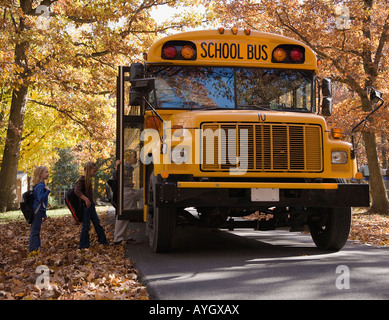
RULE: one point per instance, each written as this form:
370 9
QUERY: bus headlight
339 157
179 155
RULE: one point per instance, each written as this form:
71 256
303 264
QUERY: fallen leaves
100 272
370 229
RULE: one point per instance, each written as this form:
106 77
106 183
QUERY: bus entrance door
130 121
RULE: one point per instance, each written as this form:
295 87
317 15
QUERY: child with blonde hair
84 191
41 197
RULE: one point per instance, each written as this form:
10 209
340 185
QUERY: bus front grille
275 147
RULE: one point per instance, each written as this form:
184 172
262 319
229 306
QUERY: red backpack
74 204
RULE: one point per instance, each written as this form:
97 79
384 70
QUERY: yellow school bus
220 124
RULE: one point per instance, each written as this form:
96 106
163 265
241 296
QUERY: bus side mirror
137 71
374 95
326 89
326 106
140 86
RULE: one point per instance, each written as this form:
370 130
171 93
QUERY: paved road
246 264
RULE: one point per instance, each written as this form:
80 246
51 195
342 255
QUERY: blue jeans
90 214
35 239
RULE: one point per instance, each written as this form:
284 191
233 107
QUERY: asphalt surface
254 265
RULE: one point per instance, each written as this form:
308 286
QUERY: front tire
332 231
161 222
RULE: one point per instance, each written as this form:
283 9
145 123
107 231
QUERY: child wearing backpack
41 197
84 191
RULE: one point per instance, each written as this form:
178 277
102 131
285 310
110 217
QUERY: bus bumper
241 194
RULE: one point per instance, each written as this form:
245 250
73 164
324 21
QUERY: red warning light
296 54
170 52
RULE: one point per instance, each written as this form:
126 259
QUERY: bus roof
221 47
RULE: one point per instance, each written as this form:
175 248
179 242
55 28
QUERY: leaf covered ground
100 272
369 229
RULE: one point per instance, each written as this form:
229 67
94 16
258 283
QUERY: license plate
265 194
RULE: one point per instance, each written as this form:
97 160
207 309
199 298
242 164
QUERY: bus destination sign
233 51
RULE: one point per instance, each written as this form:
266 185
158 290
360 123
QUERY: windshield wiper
255 106
206 108
271 107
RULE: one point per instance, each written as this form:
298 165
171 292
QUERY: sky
163 13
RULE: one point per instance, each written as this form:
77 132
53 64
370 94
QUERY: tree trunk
380 203
9 166
383 151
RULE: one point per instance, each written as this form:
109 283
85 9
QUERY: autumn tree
65 171
349 37
63 56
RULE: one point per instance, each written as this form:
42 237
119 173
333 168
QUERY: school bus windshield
188 87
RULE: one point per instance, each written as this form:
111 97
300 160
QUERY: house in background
21 184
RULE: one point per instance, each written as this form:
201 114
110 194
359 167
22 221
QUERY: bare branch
383 40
